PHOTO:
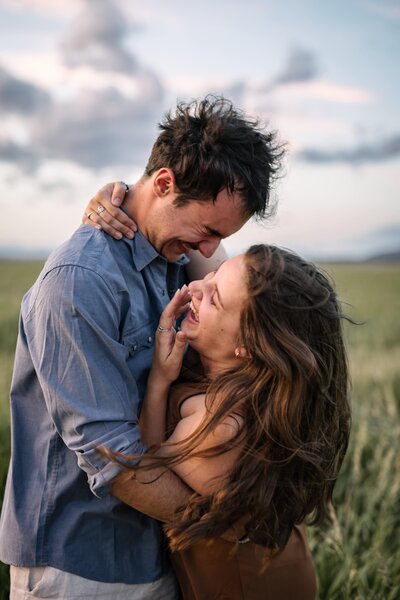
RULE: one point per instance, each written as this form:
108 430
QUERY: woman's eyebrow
216 287
219 296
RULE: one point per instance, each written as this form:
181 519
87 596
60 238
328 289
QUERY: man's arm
157 493
90 393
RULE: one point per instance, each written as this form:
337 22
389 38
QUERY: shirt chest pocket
139 344
137 340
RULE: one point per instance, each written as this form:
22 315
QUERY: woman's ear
164 182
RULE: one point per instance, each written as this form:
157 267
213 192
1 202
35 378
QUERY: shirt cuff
100 478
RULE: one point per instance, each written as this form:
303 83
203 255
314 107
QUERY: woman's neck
213 368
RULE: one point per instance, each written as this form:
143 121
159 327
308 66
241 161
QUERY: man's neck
137 204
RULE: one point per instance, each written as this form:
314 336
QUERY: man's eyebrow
213 232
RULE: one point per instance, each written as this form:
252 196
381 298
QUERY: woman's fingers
179 345
168 355
114 222
175 308
102 214
170 346
118 194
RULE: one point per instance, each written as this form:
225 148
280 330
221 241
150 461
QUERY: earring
240 352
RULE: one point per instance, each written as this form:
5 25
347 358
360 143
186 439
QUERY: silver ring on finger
162 329
100 209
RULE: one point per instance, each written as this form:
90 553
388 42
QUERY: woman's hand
112 219
169 348
170 345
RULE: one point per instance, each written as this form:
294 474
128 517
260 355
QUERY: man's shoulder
87 250
81 265
84 248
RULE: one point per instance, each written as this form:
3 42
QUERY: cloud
93 129
388 10
99 130
21 97
329 92
97 39
40 5
106 119
301 66
386 150
19 155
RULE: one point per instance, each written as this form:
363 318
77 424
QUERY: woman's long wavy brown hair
292 394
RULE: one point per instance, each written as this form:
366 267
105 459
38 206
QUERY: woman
258 428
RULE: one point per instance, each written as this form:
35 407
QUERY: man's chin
172 256
174 252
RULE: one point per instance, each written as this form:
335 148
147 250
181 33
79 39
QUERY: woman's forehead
230 279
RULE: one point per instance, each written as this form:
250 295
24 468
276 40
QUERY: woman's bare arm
203 474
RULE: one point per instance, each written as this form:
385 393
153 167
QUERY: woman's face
212 326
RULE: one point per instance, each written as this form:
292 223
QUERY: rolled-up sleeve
73 332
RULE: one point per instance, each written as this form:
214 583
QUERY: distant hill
387 257
384 258
22 253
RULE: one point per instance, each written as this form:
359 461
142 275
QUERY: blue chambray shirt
83 354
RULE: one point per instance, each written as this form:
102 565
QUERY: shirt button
149 339
134 347
163 292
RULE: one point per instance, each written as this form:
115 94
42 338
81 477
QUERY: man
83 354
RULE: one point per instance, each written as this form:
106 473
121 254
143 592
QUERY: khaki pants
53 584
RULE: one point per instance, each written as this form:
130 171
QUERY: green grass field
357 553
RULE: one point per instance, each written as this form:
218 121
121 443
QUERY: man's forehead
221 219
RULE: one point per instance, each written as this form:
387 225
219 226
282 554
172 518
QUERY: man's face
199 225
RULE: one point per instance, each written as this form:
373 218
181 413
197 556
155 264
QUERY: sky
84 84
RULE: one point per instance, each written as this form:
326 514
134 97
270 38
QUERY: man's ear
164 182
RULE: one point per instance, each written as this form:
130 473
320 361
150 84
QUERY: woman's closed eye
209 275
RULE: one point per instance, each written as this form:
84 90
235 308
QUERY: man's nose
209 246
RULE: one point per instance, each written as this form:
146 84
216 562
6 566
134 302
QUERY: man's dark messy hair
209 145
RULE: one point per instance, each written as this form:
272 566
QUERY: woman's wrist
158 383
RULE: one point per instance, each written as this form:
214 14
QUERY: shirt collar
143 253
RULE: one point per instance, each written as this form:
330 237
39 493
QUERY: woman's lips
194 312
191 315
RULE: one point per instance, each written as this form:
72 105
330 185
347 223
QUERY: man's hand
157 493
103 212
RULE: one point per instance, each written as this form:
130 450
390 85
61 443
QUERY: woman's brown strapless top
214 569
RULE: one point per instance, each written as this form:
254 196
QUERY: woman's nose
196 289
